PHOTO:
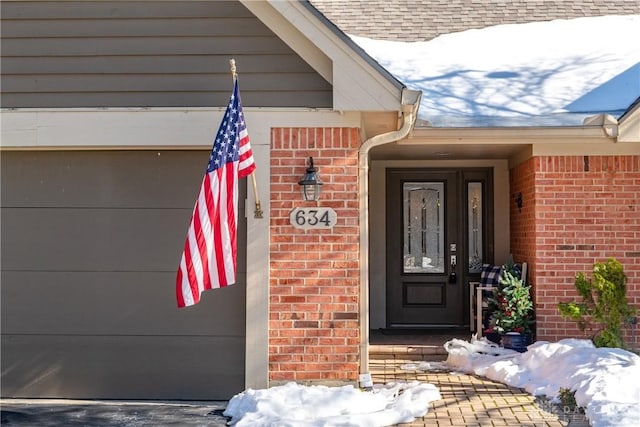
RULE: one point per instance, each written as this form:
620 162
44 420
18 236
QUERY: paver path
467 400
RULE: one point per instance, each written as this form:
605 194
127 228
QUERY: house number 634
312 218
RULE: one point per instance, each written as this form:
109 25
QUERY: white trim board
145 128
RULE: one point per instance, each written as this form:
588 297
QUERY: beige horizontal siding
148 54
185 82
136 27
93 46
65 9
198 98
169 64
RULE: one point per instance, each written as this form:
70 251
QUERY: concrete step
407 352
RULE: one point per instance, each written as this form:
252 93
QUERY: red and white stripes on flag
209 255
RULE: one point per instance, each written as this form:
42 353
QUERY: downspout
410 103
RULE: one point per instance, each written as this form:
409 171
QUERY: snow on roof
553 73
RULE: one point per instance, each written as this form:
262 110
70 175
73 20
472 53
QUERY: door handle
452 272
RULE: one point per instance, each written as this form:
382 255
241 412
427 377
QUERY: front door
437 235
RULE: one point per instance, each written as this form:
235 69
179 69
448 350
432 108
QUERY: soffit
514 144
395 151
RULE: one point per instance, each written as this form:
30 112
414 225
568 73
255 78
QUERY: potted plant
511 309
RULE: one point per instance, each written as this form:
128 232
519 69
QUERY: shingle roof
419 20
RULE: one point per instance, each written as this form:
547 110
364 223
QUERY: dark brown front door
436 237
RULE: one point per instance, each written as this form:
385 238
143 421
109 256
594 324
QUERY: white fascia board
563 141
357 85
140 128
629 126
511 135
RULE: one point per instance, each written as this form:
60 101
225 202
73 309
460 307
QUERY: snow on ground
606 381
295 405
548 73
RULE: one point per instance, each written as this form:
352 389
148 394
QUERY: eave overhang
511 135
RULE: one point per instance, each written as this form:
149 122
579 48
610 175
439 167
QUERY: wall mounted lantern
310 183
519 201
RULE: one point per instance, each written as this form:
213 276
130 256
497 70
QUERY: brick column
314 274
577 210
523 224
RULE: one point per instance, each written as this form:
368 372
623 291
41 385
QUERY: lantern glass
310 184
311 192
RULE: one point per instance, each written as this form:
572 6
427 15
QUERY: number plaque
313 218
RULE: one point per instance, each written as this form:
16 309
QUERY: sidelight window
475 225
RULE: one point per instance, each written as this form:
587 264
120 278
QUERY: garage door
90 245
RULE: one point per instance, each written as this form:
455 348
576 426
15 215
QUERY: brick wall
523 226
314 274
577 210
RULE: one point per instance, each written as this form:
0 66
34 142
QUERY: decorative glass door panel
423 215
475 225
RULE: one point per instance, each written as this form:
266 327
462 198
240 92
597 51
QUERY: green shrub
568 403
603 308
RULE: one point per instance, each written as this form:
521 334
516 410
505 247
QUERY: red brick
573 207
319 267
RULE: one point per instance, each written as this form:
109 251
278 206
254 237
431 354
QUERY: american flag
209 255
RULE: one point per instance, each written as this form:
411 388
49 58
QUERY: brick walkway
467 400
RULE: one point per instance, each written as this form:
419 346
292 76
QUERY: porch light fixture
310 184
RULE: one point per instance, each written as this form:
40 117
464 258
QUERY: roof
517 63
552 73
420 20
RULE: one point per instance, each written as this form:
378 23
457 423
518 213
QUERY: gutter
608 123
409 108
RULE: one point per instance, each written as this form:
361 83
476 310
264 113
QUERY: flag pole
258 211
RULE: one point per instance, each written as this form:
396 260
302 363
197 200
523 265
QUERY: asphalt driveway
41 412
